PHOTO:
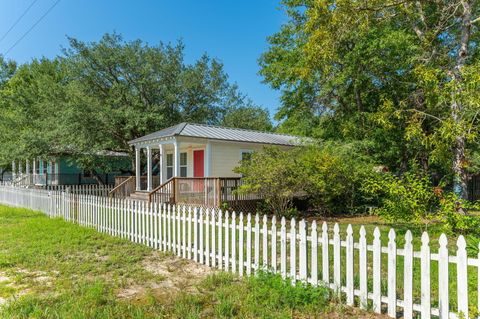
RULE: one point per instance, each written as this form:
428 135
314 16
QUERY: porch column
27 171
20 168
176 159
34 171
137 169
160 163
208 159
149 168
14 170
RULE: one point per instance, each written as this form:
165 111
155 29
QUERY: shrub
409 198
332 176
329 175
273 174
454 219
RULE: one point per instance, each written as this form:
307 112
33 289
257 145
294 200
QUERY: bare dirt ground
177 275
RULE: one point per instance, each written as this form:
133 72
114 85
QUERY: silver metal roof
221 133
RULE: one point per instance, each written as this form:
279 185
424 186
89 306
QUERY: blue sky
232 31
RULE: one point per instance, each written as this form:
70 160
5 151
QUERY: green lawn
53 269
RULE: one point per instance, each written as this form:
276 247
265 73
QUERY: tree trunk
458 167
459 174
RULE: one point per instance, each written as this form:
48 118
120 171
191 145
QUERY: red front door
198 163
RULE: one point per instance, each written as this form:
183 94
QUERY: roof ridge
240 129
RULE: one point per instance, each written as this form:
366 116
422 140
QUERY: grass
53 269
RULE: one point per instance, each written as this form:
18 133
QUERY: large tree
98 96
397 74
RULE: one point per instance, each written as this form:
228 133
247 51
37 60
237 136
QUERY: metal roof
221 133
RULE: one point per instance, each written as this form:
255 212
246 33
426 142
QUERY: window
183 164
169 166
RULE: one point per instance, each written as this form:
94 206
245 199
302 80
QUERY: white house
196 153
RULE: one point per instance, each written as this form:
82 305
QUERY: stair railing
124 189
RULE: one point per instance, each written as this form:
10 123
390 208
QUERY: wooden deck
219 192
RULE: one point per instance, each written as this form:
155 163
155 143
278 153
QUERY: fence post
363 269
443 302
283 249
249 244
314 254
408 276
234 242
392 274
302 267
325 255
265 242
349 266
257 242
377 275
293 253
462 277
273 261
240 245
336 258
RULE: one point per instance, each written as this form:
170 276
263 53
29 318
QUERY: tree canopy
401 76
98 96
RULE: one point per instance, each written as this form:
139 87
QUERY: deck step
139 196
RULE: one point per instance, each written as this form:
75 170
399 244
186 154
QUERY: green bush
409 198
329 175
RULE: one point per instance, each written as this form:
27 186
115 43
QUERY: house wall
226 156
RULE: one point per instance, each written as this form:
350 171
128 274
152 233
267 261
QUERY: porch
196 191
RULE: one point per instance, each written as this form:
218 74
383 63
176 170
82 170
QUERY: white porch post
160 163
14 170
20 168
208 159
27 171
137 169
34 171
176 159
149 168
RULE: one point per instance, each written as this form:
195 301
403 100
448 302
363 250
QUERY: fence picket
349 266
257 242
293 252
336 258
220 240
302 251
273 261
408 276
462 280
234 242
377 275
265 242
283 249
314 254
363 268
240 245
201 226
443 300
249 245
325 257
392 274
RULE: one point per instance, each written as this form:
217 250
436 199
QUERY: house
194 163
64 170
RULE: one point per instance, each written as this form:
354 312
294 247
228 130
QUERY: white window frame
185 166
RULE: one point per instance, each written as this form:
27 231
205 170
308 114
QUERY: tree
123 90
248 117
398 74
100 95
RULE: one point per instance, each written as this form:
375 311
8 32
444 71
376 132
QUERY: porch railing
202 191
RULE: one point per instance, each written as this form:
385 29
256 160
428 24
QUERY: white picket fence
364 274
